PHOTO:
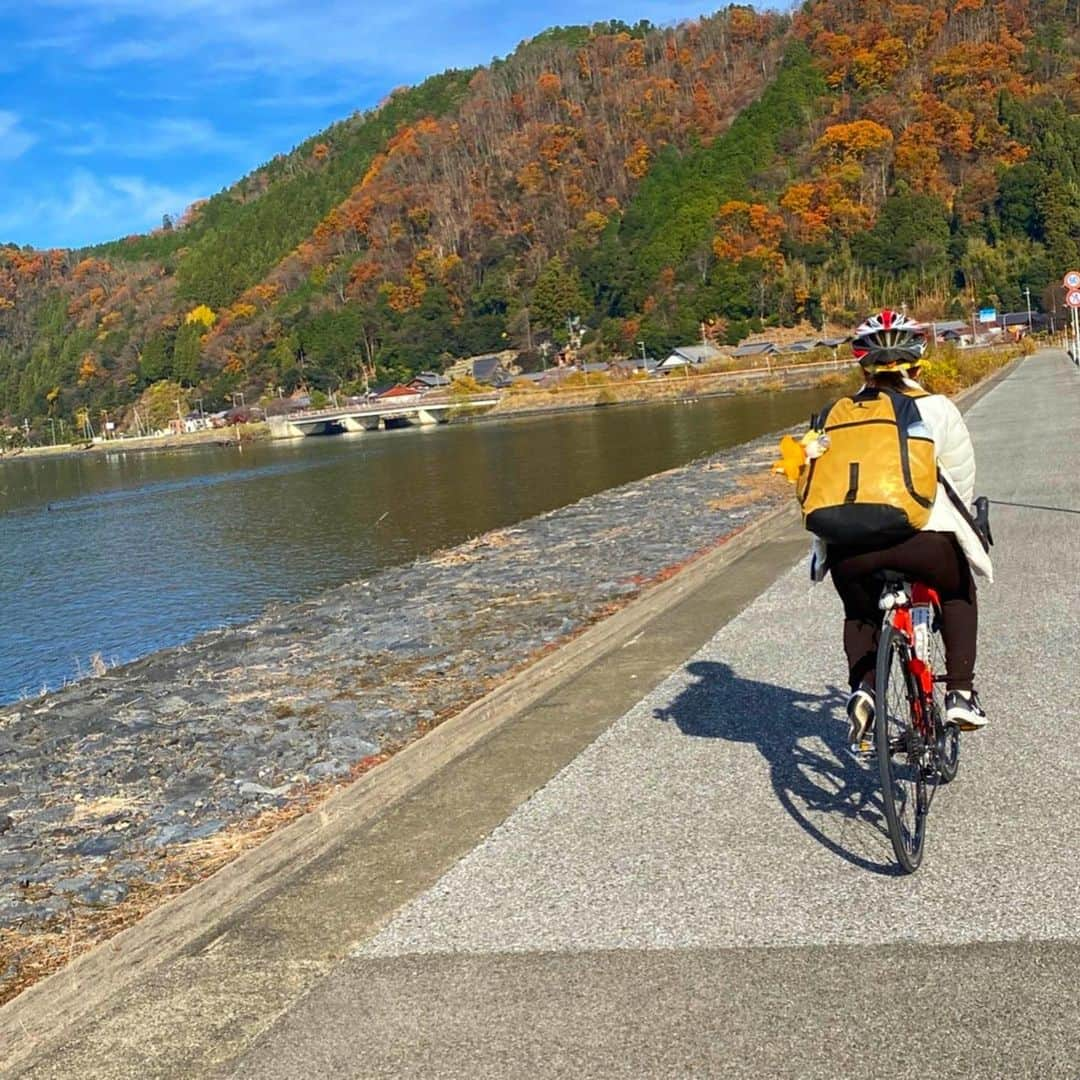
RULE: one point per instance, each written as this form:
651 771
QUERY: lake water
124 554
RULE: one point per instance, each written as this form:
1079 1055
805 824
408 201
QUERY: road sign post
1071 281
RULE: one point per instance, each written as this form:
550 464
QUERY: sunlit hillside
740 171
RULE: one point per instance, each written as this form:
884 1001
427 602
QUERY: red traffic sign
1072 279
1073 299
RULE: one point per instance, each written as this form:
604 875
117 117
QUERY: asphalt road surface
708 888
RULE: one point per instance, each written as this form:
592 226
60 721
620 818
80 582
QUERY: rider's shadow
818 782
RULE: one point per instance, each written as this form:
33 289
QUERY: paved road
708 889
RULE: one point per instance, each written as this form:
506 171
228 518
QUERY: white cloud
14 141
89 209
281 38
136 138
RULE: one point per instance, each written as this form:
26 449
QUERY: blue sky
114 112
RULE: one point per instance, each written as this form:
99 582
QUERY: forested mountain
741 170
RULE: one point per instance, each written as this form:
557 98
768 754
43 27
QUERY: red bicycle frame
920 669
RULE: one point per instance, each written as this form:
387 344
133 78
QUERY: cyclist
946 554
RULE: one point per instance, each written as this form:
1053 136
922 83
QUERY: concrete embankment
120 790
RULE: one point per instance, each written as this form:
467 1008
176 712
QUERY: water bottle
920 623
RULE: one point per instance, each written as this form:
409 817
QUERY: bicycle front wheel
900 750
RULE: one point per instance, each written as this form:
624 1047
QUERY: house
429 380
951 329
490 370
1019 323
403 395
547 379
757 348
809 345
282 406
631 365
475 367
690 356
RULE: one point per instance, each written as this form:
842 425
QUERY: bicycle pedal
863 746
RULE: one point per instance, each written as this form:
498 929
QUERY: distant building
400 394
951 329
490 370
1018 322
486 367
690 356
633 364
757 348
429 380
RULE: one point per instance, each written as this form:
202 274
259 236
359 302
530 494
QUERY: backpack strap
817 420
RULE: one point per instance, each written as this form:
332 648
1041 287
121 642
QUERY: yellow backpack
875 478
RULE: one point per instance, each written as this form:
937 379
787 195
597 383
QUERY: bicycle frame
898 604
917 750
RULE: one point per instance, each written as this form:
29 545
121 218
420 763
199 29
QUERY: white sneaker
860 711
962 708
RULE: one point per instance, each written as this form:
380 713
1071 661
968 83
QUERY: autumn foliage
729 172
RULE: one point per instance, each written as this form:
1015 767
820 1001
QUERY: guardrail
393 405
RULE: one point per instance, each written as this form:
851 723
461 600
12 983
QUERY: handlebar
982 519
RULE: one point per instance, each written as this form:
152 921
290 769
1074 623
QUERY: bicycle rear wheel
900 750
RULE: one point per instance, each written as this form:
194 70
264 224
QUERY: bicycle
917 748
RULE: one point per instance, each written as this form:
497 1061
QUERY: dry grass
949 370
751 489
103 807
474 549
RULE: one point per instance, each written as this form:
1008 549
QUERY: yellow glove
792 458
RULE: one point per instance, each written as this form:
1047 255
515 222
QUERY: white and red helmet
889 340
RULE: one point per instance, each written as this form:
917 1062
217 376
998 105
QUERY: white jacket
956 460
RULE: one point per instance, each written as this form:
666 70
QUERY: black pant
933 558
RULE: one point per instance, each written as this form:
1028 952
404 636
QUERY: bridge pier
280 428
360 423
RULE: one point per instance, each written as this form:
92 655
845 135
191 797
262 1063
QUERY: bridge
371 415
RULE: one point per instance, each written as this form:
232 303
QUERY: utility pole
1027 293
